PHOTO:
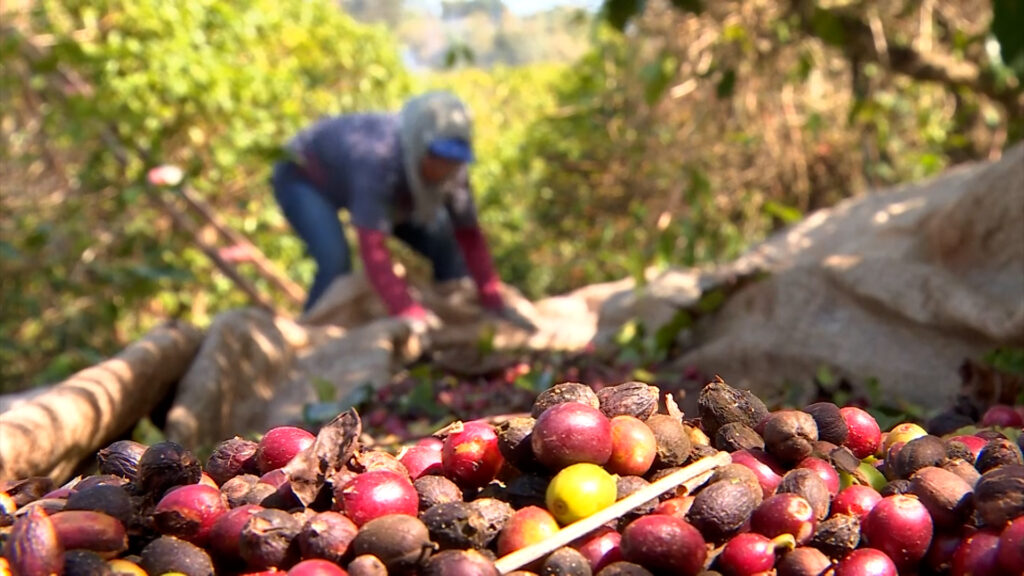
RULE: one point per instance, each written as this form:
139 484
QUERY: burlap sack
50 431
255 371
900 287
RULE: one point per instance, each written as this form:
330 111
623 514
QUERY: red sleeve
377 261
481 266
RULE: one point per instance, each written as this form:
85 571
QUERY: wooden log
50 433
691 476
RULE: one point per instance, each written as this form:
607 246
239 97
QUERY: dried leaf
334 445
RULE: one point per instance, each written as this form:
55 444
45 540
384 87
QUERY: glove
490 298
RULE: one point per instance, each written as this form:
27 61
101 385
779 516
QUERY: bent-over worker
397 174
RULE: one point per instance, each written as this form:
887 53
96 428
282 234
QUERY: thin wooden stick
182 221
700 471
263 265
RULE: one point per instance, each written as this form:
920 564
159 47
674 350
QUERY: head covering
436 122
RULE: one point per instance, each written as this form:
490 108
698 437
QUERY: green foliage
686 155
1007 23
828 27
212 85
1009 360
698 130
618 13
609 150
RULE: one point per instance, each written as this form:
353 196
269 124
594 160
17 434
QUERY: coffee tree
107 89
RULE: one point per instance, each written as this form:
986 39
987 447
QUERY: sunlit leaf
787 214
643 375
666 335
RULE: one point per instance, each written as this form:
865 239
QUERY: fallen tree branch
182 222
51 432
263 265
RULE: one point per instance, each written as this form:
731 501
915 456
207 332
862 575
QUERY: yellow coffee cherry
579 491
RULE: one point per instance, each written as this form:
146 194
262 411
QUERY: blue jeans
315 219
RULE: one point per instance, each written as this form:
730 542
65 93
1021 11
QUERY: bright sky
529 6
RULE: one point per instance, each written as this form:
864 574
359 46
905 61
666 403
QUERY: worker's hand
490 298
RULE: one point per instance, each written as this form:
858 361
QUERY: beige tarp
49 431
254 371
900 286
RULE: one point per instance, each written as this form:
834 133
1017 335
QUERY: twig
264 266
690 476
182 222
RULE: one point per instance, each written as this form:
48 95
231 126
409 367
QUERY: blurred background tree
647 133
89 260
705 127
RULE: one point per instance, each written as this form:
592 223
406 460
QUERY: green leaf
787 214
619 12
643 375
536 381
422 398
805 64
711 301
145 432
1007 26
629 357
628 333
826 377
666 335
421 372
324 389
726 84
456 53
657 76
485 340
1008 359
828 27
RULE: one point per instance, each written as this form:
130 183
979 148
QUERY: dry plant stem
263 265
691 476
